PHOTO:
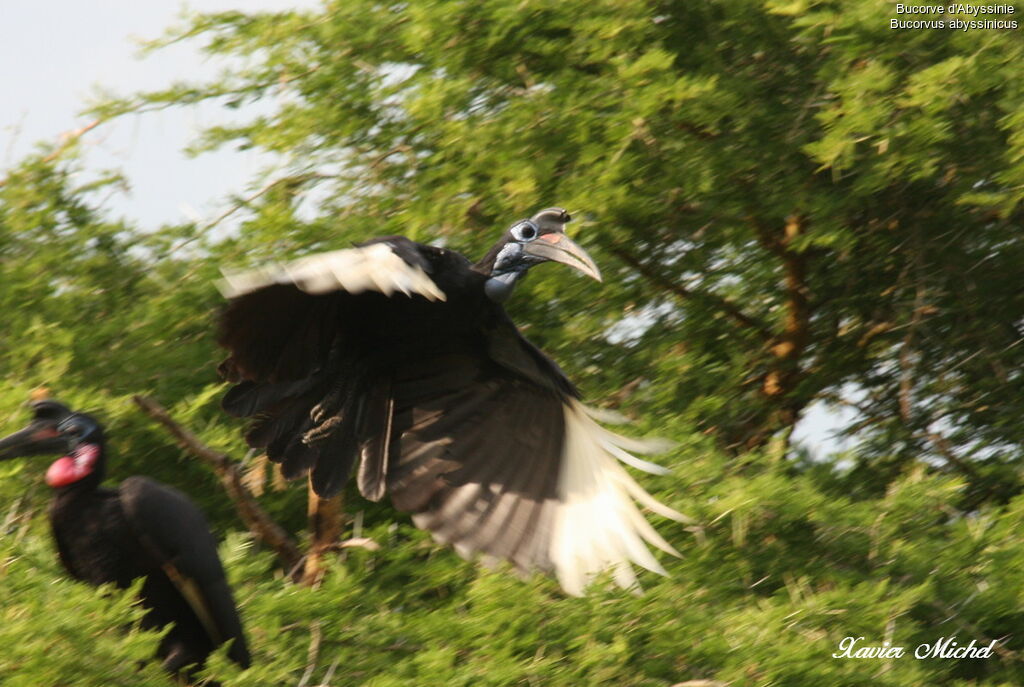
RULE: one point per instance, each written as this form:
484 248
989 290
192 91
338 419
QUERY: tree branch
67 139
944 448
252 514
313 654
787 349
724 305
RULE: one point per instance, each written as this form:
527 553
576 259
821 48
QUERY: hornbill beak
39 438
558 247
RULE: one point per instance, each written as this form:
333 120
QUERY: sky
59 54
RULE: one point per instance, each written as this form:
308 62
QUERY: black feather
143 530
448 408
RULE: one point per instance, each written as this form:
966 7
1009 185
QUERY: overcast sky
57 54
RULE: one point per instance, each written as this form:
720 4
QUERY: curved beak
38 438
558 247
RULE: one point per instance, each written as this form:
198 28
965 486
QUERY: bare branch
252 514
873 331
293 181
315 637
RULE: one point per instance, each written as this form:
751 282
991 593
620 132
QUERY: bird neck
486 263
503 267
499 286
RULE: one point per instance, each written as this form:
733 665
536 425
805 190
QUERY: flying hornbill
397 359
141 529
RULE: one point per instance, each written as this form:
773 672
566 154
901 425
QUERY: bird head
56 429
530 242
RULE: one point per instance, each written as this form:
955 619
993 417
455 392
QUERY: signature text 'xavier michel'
945 647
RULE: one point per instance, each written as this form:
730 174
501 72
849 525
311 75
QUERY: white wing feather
597 525
368 268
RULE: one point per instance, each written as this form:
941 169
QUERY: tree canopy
792 203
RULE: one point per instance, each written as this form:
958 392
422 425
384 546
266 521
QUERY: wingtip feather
599 526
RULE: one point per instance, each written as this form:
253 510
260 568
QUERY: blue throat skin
509 265
499 287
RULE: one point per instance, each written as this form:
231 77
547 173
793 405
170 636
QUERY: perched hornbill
142 529
398 359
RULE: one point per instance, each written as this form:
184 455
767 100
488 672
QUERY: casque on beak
558 247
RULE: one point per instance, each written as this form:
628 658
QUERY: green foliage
57 632
791 203
693 136
779 571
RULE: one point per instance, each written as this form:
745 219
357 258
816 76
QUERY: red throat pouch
70 469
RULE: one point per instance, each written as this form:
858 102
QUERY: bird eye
527 231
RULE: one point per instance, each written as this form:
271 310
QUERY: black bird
396 359
141 529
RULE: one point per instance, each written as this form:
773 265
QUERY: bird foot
321 431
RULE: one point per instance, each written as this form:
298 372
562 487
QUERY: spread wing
430 394
371 267
175 532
